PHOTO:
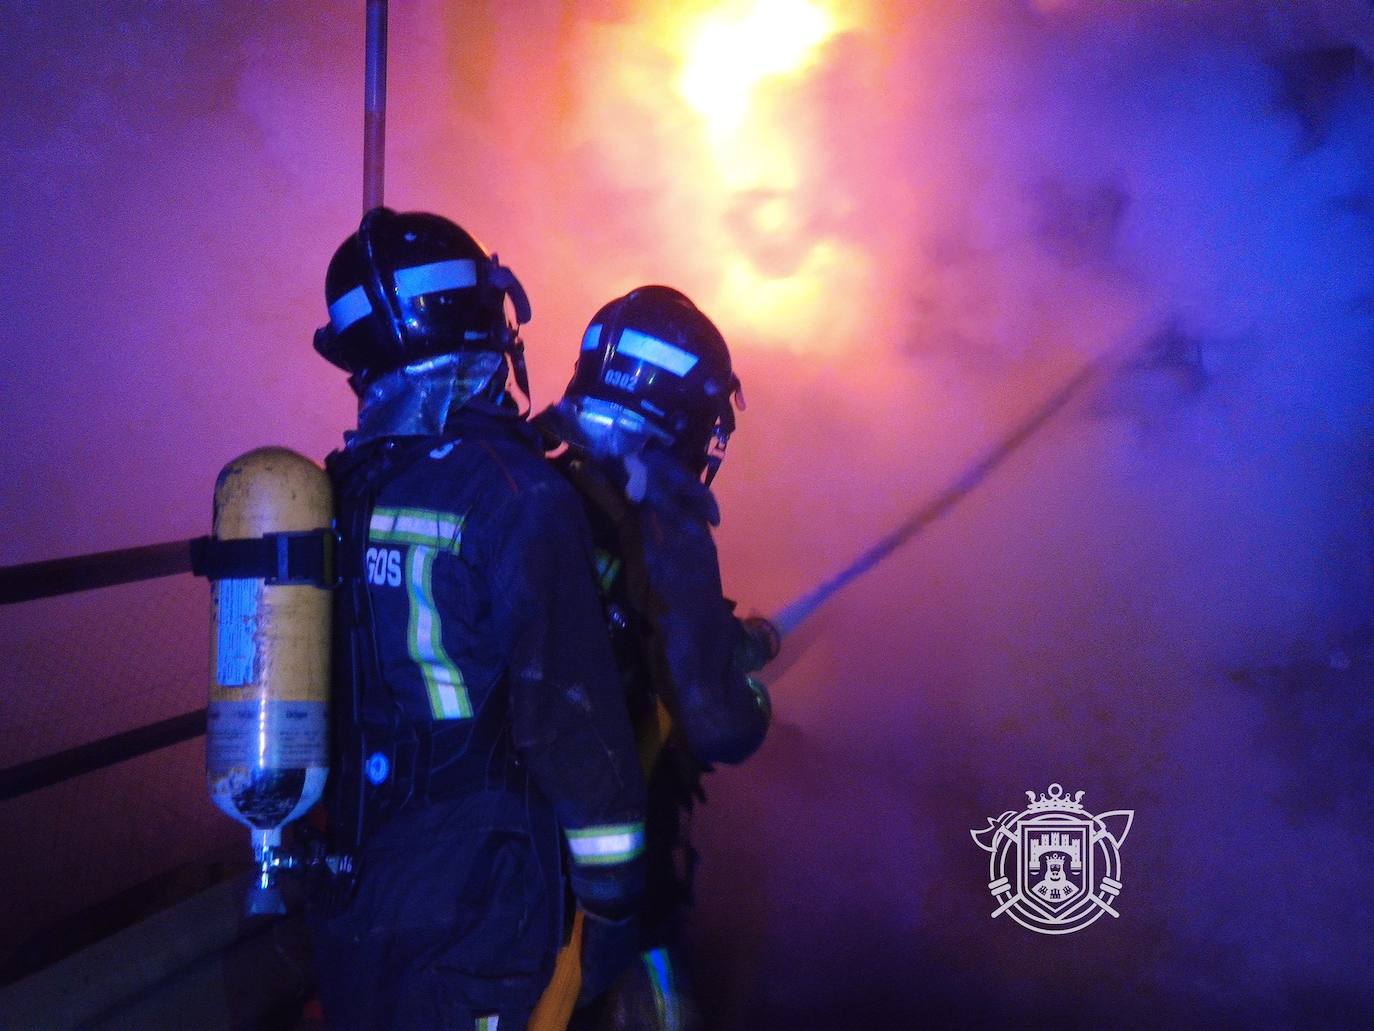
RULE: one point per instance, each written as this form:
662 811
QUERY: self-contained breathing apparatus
270 562
417 317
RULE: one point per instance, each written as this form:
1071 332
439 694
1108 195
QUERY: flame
710 120
729 55
743 69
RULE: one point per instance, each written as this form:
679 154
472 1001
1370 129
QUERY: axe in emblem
986 839
1101 903
1015 898
1101 830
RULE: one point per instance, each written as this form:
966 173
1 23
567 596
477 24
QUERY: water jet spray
792 615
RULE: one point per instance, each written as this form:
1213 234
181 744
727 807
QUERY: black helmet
408 286
652 353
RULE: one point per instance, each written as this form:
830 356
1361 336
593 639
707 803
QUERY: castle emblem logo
1054 867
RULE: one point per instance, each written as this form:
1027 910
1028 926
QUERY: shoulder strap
360 699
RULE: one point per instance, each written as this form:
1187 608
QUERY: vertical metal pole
374 106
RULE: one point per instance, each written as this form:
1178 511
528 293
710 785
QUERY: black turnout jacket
487 646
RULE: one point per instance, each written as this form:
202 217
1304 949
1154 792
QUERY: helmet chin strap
720 436
713 460
515 351
504 280
712 467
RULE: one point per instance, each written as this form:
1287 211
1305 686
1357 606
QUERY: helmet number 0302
623 380
384 567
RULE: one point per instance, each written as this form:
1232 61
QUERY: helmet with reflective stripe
652 355
409 286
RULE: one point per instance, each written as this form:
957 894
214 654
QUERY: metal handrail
33 580
37 774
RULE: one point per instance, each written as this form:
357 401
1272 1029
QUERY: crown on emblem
1055 800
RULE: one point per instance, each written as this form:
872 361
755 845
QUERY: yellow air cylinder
267 729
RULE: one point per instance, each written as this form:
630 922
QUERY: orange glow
731 53
808 310
744 69
711 125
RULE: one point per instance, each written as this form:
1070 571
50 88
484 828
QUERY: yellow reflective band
602 846
419 526
448 696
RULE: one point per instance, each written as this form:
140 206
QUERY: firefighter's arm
569 718
705 653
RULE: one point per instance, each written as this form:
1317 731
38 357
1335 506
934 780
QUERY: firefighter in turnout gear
484 761
646 419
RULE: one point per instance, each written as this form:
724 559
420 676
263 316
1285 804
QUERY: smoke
1192 192
922 222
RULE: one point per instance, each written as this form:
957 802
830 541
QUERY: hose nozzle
760 645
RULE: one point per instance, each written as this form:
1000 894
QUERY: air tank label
238 628
263 735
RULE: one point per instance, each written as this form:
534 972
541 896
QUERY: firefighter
646 419
482 745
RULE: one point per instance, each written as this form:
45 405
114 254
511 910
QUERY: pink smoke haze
912 229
